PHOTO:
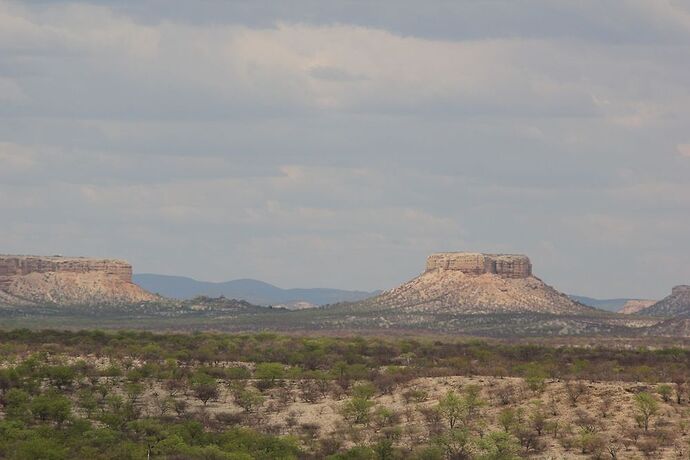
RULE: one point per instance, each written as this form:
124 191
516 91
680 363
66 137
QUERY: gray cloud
337 143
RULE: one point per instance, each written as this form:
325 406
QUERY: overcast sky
337 144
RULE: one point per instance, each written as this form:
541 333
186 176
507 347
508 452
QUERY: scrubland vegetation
119 395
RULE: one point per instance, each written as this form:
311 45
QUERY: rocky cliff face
470 263
26 280
476 283
636 305
677 304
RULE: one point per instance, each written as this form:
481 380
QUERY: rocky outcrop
68 280
13 266
677 304
472 263
474 283
680 291
635 305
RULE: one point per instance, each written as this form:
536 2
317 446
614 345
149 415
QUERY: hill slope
676 304
469 283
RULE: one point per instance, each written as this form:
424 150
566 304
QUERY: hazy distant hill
603 304
254 291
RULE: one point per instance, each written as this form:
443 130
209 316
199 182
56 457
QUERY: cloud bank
337 144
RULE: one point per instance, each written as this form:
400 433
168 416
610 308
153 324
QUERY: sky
337 144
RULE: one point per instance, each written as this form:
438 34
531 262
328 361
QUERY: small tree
269 372
499 445
149 432
60 376
647 407
452 408
575 390
508 418
535 378
357 410
457 443
205 388
247 398
365 390
51 406
538 419
16 403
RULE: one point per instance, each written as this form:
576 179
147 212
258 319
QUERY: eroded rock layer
472 263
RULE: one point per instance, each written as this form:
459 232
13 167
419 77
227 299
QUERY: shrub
665 391
357 410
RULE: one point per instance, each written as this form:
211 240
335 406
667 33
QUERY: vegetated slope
676 304
254 291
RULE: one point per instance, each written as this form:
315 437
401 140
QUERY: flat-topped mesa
14 266
471 263
683 289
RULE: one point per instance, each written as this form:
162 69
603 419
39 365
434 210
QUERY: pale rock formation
457 282
26 280
635 305
470 263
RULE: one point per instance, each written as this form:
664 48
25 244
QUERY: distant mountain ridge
251 290
602 304
622 305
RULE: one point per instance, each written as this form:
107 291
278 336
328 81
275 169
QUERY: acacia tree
452 408
205 388
463 409
575 390
269 372
647 407
357 410
247 398
51 406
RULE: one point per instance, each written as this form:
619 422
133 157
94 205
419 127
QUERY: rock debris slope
474 283
677 304
57 280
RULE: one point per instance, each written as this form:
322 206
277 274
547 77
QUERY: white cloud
251 142
171 64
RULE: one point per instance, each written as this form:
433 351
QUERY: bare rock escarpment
677 304
475 283
38 280
471 263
